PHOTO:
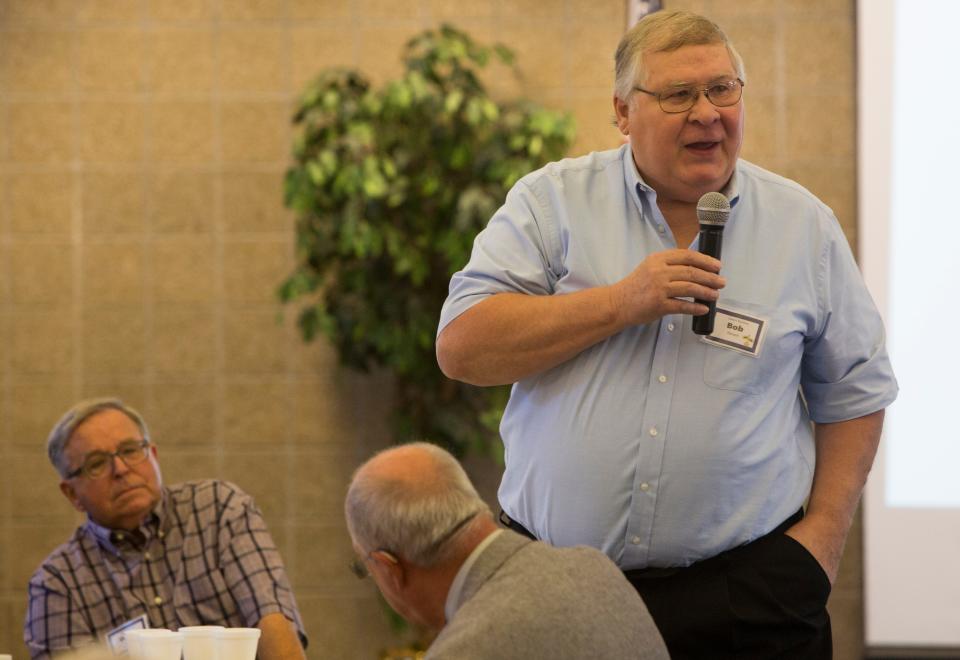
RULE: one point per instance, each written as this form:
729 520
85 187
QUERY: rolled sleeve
846 371
253 568
511 255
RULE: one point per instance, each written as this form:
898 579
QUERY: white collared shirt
453 596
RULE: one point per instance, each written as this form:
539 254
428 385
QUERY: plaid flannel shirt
203 557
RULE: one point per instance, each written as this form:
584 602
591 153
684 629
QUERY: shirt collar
732 190
453 596
117 541
631 174
635 182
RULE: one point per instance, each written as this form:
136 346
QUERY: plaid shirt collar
122 541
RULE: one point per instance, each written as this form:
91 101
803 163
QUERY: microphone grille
713 209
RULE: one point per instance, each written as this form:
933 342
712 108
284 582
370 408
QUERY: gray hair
60 435
665 31
412 517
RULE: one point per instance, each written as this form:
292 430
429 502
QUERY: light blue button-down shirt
653 445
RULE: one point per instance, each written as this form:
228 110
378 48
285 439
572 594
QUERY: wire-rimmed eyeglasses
98 463
721 93
359 568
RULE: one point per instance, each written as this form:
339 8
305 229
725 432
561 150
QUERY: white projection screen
909 187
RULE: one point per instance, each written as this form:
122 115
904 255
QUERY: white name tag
737 331
117 638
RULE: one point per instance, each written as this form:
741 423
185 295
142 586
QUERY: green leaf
374 185
331 99
535 146
389 167
474 112
316 172
453 100
429 186
505 54
490 110
328 161
361 132
460 156
400 94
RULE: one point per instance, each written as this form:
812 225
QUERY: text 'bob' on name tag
737 331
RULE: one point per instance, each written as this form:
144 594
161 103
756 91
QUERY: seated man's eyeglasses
721 93
98 463
359 568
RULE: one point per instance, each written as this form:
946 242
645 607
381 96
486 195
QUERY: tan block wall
142 235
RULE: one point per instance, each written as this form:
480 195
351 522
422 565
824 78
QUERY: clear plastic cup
200 642
154 644
238 643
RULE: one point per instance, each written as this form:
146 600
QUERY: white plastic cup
238 643
154 644
200 642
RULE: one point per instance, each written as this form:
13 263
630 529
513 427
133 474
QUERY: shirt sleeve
845 371
252 566
517 252
53 623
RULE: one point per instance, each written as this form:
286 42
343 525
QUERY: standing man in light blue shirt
686 459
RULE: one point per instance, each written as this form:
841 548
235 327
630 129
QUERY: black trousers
766 599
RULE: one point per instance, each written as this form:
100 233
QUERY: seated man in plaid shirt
196 553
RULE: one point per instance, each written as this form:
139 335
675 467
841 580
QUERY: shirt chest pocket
778 356
202 596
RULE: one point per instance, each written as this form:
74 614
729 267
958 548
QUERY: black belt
510 523
652 571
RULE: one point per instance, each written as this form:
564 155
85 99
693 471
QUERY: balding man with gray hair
431 545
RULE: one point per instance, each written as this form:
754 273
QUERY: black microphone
712 211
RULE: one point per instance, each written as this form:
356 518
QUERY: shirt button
661 229
158 601
635 540
147 556
654 431
662 378
670 327
119 536
644 486
160 534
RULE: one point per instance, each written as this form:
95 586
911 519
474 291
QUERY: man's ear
71 494
389 568
622 110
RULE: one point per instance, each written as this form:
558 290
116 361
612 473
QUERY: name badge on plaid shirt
117 638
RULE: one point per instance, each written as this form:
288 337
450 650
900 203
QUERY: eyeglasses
98 463
722 93
359 568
